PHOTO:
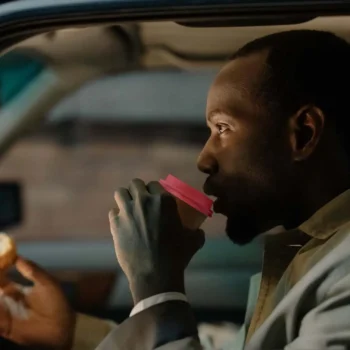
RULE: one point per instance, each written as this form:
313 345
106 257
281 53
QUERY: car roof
192 12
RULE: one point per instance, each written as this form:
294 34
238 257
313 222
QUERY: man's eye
221 128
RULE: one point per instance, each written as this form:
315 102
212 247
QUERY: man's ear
306 128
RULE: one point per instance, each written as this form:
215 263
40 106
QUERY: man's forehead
243 73
238 81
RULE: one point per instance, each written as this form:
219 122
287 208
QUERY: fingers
33 272
113 213
122 198
16 308
13 290
155 187
137 187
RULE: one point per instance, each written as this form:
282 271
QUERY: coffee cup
193 206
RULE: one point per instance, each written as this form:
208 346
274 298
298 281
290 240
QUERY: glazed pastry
8 252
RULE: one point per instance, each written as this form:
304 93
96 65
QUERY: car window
98 139
140 112
17 72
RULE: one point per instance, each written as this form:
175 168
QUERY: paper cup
193 206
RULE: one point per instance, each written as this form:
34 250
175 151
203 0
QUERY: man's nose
206 162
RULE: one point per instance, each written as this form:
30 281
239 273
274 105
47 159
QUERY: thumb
33 272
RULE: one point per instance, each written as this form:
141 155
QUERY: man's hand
152 246
41 317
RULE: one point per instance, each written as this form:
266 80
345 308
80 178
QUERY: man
277 155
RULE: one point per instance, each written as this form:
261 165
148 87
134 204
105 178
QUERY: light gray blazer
303 303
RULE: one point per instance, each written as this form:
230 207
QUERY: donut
8 252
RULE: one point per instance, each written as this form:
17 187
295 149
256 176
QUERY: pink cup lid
188 194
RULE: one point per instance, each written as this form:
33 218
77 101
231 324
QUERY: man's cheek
235 167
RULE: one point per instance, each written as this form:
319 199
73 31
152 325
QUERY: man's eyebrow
214 113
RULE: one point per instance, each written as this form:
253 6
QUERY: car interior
86 109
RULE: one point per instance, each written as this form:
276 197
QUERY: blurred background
84 111
144 124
